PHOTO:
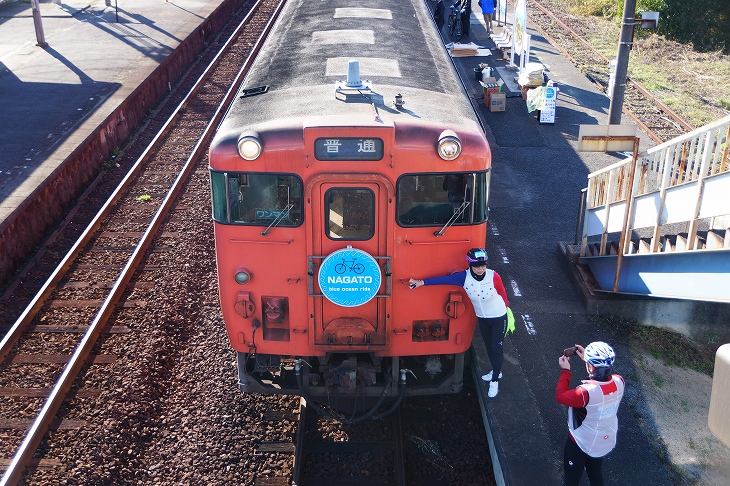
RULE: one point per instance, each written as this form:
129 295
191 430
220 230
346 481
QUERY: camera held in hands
568 352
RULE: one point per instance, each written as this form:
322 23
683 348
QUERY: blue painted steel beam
692 275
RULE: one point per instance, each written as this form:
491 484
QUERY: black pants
574 460
493 329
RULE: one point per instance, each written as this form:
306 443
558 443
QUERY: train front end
317 234
329 192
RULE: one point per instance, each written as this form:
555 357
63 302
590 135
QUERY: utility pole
622 62
39 35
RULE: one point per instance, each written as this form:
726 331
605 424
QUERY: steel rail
571 31
675 118
33 437
299 444
399 466
625 110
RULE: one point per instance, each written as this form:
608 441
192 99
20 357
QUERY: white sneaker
488 376
493 389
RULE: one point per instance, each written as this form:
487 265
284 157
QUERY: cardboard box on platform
490 89
497 102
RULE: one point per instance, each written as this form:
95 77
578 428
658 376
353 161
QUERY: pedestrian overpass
658 223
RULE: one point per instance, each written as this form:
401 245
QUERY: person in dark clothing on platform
465 17
439 14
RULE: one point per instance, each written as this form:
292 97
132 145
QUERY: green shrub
704 23
613 9
650 5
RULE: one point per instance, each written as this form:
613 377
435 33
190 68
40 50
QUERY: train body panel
328 196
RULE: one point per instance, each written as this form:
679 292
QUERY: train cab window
436 199
349 213
256 199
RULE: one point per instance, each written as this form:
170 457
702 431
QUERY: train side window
349 213
256 199
433 199
218 192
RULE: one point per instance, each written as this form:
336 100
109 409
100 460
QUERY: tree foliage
704 23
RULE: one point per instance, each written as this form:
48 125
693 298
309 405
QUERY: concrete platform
67 105
536 181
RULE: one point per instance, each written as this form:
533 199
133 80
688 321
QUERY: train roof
399 52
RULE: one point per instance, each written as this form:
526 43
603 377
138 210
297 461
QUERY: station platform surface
537 176
52 97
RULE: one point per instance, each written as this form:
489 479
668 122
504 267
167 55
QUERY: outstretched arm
453 279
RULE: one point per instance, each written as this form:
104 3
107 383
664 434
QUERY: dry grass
695 85
671 348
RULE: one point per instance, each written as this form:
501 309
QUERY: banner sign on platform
547 113
520 30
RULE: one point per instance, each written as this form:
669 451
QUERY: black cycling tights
574 460
493 329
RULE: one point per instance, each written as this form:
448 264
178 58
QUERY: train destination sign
348 149
349 277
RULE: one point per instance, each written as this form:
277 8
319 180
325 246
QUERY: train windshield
256 199
434 199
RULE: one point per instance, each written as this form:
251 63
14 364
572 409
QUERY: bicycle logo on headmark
341 268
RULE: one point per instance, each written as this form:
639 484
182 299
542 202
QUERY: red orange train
350 161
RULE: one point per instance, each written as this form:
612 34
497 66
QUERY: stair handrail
613 190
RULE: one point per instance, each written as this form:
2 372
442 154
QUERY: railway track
330 453
414 446
111 270
567 35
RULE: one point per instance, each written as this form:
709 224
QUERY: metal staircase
658 223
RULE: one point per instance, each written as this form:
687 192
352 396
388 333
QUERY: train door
350 281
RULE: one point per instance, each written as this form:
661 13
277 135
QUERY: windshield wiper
278 219
450 222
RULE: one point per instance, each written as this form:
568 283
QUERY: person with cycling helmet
592 408
489 298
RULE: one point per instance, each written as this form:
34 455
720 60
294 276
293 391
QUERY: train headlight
249 147
449 145
242 275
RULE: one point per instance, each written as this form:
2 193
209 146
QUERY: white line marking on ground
515 289
529 325
503 253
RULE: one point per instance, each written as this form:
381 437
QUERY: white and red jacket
593 405
488 295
